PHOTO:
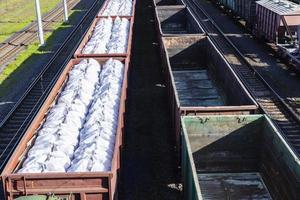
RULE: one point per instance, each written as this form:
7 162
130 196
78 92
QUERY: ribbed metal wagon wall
267 23
231 4
264 18
243 8
246 9
83 185
236 146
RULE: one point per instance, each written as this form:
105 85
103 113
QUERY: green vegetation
12 73
17 14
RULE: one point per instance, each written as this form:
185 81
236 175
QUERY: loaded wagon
119 8
243 8
71 167
107 37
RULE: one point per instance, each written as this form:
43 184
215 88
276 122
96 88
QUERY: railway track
16 122
284 116
11 48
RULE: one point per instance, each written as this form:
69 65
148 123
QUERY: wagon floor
195 88
232 186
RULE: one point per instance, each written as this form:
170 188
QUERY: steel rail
13 127
284 117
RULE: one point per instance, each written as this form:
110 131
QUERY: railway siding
271 103
16 122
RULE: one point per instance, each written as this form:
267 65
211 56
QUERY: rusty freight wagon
246 10
200 81
175 20
237 157
102 39
86 185
277 21
243 8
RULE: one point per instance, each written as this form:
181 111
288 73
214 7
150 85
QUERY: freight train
86 106
276 21
227 151
72 147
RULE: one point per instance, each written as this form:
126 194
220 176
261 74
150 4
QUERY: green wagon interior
237 157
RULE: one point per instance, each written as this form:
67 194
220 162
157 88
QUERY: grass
17 14
33 52
32 49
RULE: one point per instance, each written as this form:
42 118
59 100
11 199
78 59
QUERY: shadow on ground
12 88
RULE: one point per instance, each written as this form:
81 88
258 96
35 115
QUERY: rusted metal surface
218 92
219 148
78 53
232 186
83 186
246 9
242 8
176 20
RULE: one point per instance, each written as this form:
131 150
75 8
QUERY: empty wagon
200 81
237 157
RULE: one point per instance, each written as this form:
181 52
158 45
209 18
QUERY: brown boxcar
243 8
83 185
200 81
78 53
273 18
174 20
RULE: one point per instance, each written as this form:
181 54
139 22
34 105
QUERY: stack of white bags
97 138
80 128
118 8
109 36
